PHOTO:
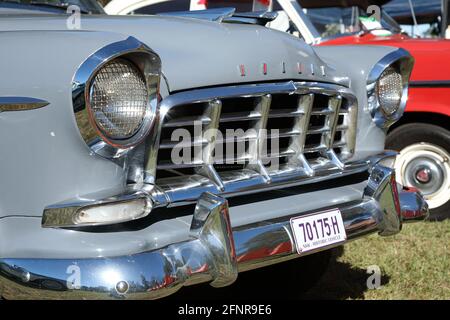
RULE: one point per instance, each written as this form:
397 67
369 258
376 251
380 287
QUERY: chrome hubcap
423 175
427 168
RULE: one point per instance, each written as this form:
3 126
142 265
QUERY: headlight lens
118 99
389 90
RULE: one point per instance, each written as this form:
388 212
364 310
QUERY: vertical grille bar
346 141
210 134
305 104
334 104
256 146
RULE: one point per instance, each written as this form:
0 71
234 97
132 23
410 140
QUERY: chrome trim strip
430 84
405 65
21 103
214 253
250 182
147 62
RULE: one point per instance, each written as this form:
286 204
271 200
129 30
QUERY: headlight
118 99
387 87
389 90
115 96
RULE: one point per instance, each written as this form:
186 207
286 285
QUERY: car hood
198 53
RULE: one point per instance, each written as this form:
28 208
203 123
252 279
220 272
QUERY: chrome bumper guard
215 253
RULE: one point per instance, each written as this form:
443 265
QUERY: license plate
318 230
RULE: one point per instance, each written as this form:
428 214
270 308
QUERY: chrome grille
306 129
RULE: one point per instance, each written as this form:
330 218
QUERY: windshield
335 21
88 6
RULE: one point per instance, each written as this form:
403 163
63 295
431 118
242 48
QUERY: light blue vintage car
141 154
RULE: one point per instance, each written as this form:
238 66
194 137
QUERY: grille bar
186 121
213 112
256 147
239 116
285 113
297 144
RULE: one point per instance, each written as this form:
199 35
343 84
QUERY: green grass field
415 264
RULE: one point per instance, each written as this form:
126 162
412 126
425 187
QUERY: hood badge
300 68
242 70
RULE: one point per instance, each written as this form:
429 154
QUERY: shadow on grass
340 281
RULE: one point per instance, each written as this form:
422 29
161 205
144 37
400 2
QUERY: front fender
434 100
42 150
357 62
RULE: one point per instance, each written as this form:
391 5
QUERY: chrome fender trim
21 103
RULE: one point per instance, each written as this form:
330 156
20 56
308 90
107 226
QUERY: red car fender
430 80
435 100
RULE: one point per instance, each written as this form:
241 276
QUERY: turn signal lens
114 212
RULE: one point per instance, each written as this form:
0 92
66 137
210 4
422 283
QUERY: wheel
424 163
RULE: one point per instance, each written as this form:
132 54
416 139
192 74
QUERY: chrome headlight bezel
149 65
402 62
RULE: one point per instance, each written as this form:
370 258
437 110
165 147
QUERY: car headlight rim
399 63
148 64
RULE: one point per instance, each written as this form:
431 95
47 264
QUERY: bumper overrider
216 252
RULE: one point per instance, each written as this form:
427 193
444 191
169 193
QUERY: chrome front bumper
215 253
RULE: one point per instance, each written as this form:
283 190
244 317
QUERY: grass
415 264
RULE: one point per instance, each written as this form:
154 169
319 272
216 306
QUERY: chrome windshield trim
300 20
21 103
